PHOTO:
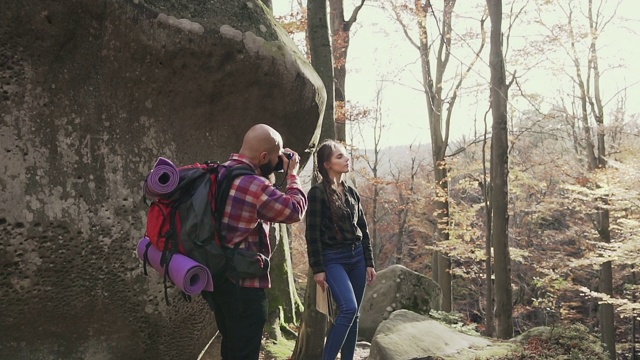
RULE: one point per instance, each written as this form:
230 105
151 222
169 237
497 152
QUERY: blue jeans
346 274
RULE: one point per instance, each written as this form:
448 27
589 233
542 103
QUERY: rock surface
395 288
91 92
407 335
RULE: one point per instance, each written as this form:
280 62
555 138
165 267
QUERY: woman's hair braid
324 154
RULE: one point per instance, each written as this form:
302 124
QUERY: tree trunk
442 231
486 191
284 304
488 316
377 245
633 319
322 60
499 176
433 77
310 342
435 272
313 328
404 197
340 34
591 105
439 141
606 311
592 159
606 273
374 165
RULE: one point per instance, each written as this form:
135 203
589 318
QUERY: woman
338 246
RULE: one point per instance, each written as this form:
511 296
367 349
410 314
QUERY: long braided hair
338 208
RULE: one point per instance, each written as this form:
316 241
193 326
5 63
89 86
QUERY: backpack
187 219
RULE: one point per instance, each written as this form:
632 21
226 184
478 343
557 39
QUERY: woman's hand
321 279
371 275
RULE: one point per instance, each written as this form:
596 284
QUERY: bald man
240 305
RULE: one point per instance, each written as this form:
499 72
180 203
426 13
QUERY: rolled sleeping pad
186 274
162 179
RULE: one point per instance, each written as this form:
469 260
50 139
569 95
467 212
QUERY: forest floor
213 352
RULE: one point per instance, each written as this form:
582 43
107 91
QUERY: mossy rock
568 342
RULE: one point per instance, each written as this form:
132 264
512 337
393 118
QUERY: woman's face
339 161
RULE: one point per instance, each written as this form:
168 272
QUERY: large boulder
91 92
407 335
395 288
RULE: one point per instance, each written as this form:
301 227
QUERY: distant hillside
391 158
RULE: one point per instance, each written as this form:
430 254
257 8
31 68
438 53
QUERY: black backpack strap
171 236
146 258
224 188
165 259
145 199
262 239
185 297
222 195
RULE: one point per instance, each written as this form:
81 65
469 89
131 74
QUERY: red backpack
186 220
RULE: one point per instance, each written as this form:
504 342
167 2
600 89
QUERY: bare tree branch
396 13
354 16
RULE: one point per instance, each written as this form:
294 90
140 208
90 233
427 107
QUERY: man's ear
263 157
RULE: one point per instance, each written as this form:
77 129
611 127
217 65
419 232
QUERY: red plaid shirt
253 198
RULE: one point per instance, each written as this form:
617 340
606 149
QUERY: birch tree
435 56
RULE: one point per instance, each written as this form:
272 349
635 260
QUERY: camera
280 164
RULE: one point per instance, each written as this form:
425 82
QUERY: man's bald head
261 142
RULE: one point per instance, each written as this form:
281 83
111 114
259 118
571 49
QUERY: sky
381 54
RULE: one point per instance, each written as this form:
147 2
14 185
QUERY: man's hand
292 166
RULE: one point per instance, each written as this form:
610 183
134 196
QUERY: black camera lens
280 164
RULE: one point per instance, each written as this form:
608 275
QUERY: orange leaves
340 44
295 22
584 181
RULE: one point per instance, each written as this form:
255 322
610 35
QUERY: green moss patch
280 350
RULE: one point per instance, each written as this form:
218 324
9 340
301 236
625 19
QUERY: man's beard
266 169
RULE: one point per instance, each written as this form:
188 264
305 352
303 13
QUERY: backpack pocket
245 264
